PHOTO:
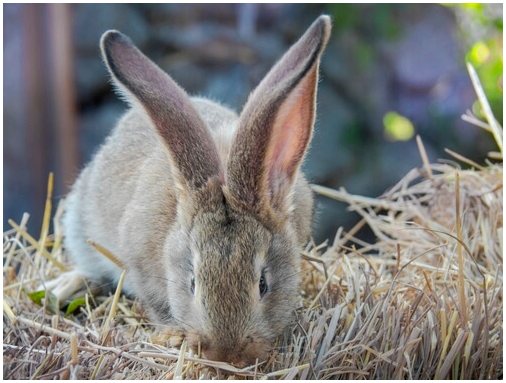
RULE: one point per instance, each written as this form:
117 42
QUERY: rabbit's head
233 252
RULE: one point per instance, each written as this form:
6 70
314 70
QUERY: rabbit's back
124 199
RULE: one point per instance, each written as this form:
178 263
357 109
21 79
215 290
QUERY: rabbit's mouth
240 355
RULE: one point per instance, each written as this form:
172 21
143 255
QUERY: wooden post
64 95
40 124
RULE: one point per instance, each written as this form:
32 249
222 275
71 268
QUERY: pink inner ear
291 134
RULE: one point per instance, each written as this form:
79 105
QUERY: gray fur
187 187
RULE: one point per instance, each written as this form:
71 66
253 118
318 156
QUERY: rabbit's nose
232 356
239 355
214 353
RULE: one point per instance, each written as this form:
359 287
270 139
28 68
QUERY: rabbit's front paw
169 336
64 285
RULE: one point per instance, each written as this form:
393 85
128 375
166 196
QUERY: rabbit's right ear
190 144
275 129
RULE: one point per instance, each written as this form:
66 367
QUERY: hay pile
423 301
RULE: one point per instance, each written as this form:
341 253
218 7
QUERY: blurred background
390 72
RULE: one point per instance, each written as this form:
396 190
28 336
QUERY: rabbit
206 209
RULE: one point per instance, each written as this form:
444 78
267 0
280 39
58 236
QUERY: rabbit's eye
262 285
192 285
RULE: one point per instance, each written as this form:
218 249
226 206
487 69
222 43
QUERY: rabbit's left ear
186 136
275 129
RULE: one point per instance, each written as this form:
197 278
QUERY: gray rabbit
207 209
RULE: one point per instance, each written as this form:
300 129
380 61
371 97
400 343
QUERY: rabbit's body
206 209
138 178
144 203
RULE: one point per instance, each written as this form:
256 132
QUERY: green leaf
52 304
75 304
37 296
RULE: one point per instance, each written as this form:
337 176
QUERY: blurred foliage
484 51
478 11
398 127
487 57
370 22
375 20
378 22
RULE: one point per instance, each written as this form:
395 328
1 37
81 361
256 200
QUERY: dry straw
421 301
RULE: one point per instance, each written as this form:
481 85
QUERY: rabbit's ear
275 129
191 147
